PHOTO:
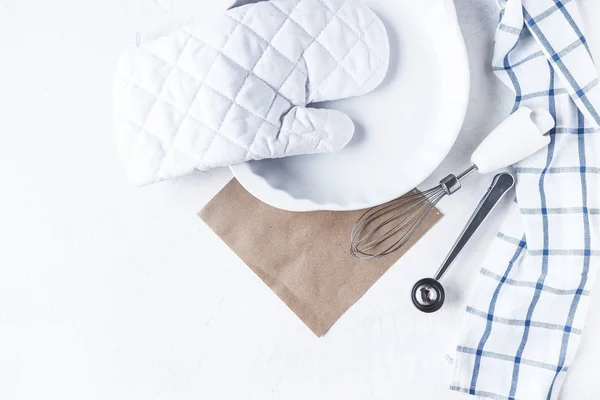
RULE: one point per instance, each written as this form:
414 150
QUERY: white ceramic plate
404 128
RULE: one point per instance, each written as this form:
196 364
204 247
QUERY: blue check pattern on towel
527 311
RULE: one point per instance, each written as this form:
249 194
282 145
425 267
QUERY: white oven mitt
235 88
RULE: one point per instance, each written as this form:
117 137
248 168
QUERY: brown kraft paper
303 257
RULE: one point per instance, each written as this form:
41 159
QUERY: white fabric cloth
528 307
235 88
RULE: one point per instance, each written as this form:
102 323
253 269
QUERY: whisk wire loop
384 229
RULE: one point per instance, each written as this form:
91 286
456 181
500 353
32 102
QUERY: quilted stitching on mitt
235 88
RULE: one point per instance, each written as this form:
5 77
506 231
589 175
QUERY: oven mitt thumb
235 88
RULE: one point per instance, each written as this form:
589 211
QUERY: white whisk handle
516 138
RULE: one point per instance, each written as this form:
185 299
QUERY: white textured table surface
111 292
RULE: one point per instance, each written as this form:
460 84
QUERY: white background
112 292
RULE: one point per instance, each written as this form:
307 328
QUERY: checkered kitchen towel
525 317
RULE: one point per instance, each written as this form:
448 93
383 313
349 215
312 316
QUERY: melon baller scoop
386 228
428 293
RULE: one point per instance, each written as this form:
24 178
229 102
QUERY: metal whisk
384 229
